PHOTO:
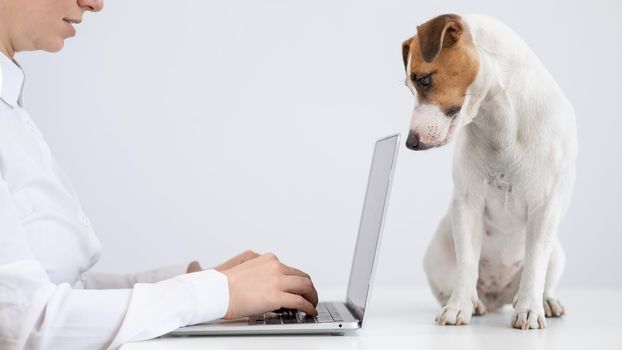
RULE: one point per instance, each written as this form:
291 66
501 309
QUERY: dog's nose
412 142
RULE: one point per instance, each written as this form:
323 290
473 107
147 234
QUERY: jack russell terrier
513 167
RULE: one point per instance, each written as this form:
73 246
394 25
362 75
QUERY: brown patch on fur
444 50
442 31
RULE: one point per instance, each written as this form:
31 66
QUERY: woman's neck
5 48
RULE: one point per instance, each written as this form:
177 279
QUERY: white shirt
48 298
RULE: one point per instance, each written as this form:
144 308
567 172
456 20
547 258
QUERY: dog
476 81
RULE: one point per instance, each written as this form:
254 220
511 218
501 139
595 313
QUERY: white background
197 129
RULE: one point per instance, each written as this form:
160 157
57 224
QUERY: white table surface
400 319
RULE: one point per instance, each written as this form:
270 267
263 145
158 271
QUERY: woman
48 297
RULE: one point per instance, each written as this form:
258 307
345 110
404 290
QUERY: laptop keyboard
327 313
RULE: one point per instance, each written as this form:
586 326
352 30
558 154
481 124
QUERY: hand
264 284
194 267
236 260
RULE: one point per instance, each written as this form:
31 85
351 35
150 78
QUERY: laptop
333 317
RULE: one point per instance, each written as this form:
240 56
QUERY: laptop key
324 319
290 320
273 321
308 319
253 322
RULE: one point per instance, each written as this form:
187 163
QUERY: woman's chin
54 45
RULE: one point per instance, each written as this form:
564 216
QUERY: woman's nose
91 5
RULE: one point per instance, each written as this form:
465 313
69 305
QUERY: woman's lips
70 22
76 21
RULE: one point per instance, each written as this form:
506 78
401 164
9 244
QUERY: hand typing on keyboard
264 284
326 313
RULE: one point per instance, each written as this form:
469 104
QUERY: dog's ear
405 51
437 33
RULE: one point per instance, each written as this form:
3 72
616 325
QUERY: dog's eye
424 82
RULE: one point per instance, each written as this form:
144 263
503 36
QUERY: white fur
432 125
513 174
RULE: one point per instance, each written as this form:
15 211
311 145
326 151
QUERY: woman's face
27 25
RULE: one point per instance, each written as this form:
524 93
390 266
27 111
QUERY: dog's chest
503 241
497 180
505 209
501 258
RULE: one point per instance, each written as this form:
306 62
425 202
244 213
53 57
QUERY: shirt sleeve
38 314
103 280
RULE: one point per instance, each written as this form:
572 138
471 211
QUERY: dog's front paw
480 308
455 313
528 314
553 308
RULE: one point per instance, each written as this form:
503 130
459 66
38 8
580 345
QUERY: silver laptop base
342 322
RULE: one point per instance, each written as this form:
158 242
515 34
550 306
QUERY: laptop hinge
355 311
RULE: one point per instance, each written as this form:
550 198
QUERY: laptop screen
370 227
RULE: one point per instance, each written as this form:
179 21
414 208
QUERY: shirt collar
11 81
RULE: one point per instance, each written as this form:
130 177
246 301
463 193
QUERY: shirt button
84 276
85 221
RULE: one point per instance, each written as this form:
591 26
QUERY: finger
222 267
291 271
247 255
227 264
194 267
302 286
239 259
295 301
268 256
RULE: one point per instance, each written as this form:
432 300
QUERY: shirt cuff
211 294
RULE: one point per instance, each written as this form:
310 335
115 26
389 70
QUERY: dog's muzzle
412 142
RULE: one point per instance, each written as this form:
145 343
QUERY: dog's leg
552 306
540 240
467 230
439 262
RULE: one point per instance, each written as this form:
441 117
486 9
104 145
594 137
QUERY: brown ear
437 33
406 51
